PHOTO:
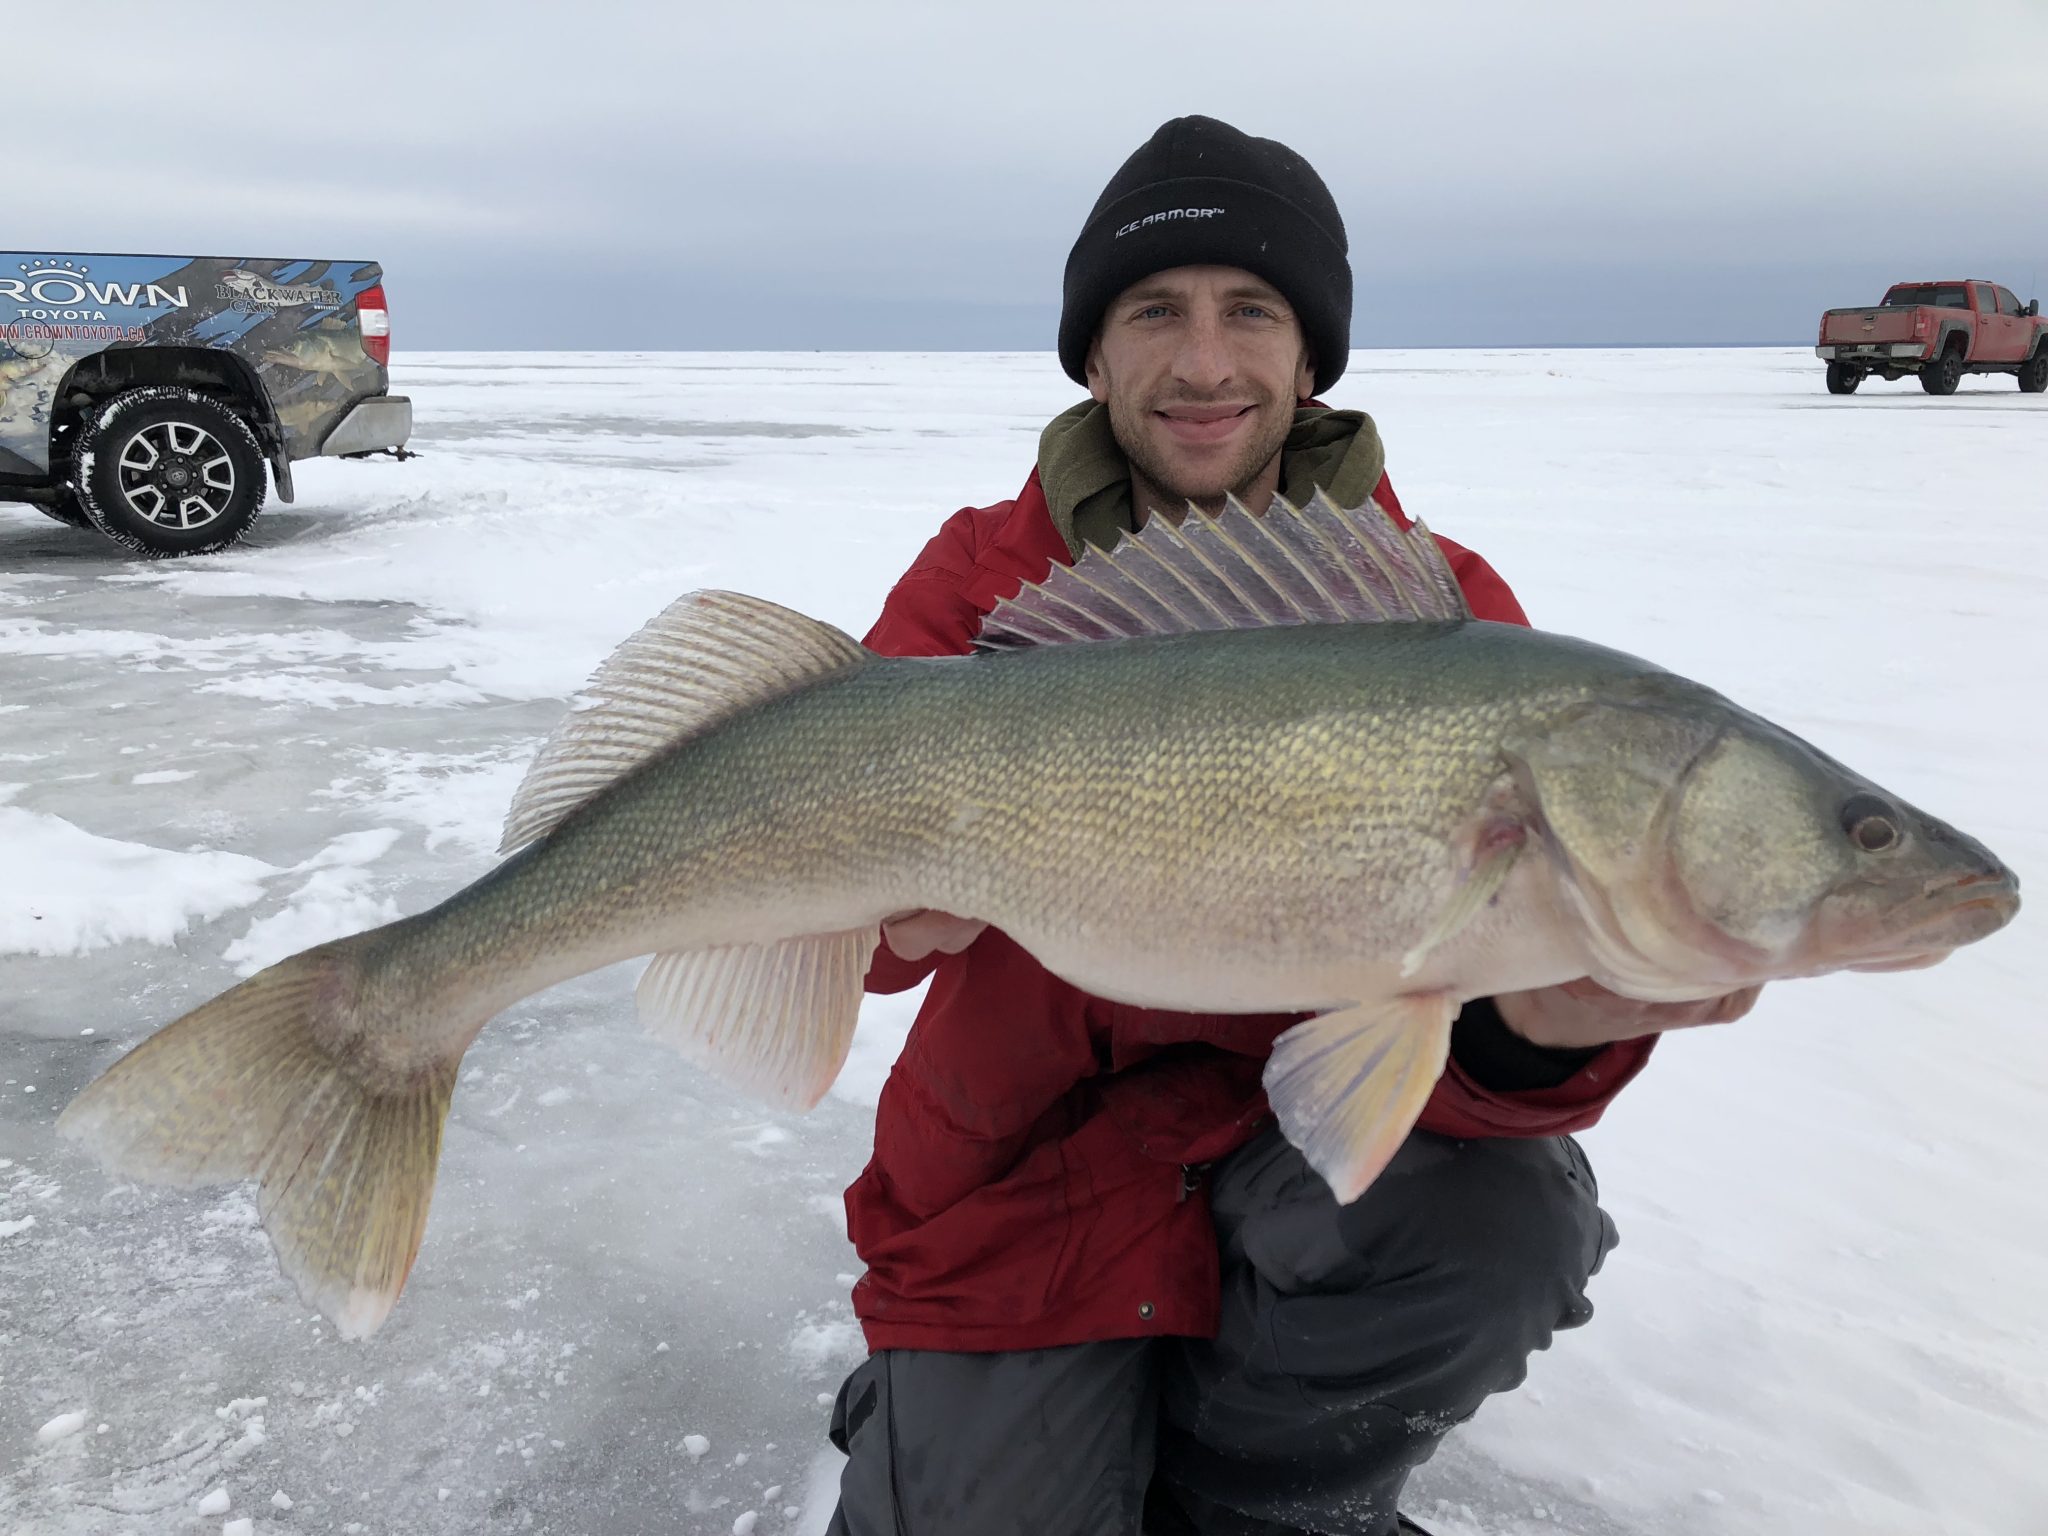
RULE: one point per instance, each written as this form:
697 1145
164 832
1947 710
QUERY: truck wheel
169 471
2034 372
1944 373
1843 378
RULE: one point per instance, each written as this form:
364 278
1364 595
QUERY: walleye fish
1244 764
331 354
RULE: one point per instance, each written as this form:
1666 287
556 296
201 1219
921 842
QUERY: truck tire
2034 372
169 471
1843 378
1942 374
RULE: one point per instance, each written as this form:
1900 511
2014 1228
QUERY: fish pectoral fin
1347 1086
773 1019
1499 844
247 1086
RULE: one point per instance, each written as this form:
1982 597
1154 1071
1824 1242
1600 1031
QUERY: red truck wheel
2034 372
1944 373
1843 378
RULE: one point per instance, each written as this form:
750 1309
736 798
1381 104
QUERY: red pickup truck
1939 331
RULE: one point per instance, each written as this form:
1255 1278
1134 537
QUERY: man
1103 1294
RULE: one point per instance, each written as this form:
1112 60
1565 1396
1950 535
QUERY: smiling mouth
1204 424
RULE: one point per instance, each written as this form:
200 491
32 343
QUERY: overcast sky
889 174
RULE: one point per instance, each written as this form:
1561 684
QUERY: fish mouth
1919 962
1949 912
1995 892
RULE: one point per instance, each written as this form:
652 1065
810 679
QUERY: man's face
1201 368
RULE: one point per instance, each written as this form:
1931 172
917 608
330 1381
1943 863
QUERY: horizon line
1356 347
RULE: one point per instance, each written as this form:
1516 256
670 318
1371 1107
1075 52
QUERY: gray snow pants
1352 1339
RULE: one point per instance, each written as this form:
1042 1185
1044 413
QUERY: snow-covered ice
89 892
1825 1316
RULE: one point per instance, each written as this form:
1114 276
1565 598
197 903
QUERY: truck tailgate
1857 327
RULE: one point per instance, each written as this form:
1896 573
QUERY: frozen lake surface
1829 1313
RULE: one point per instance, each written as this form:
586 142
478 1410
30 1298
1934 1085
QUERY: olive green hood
1087 479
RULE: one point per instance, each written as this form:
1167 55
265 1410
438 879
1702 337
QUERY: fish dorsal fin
1315 564
704 658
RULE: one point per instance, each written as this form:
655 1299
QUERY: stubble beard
1130 425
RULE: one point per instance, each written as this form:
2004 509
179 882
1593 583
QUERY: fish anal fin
704 658
1347 1086
775 1020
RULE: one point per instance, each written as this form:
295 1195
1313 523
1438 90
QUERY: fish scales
1308 785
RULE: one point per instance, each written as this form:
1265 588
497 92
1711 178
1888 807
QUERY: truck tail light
374 315
1919 325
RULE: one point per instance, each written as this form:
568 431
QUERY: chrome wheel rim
176 475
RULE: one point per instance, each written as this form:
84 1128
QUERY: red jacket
1035 1179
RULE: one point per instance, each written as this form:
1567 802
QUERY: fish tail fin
270 1081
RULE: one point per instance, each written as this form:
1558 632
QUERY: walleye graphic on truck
144 395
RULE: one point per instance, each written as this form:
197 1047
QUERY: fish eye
1871 824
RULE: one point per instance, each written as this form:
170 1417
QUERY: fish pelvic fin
775 1020
1347 1086
1314 564
249 1086
706 657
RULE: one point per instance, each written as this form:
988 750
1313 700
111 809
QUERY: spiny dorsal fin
705 657
1318 564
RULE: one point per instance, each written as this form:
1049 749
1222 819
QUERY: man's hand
913 935
1578 1014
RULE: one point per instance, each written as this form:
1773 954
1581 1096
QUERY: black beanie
1200 193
